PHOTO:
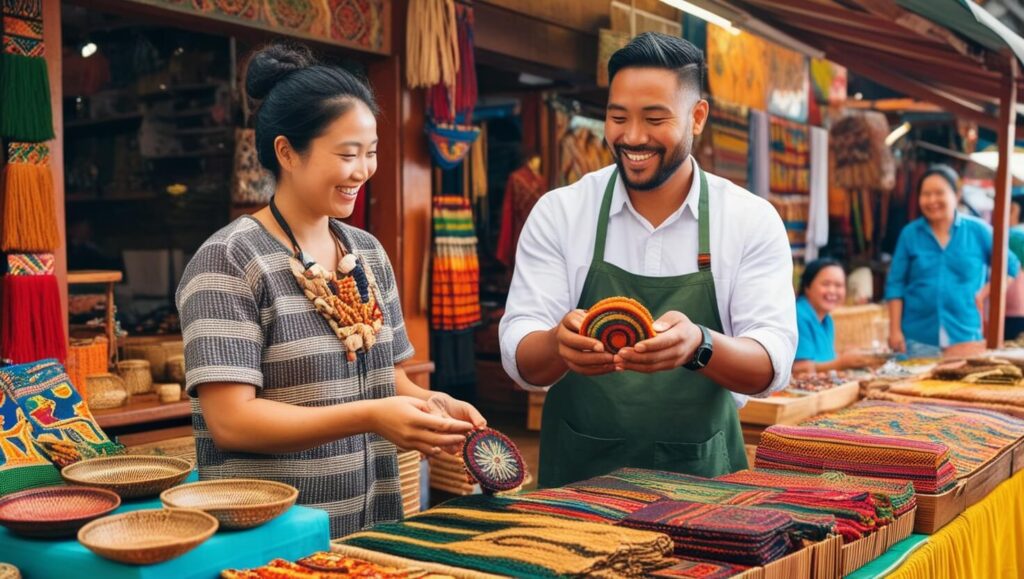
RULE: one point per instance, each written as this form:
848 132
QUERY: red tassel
33 328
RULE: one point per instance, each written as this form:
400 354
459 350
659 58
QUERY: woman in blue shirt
822 290
938 280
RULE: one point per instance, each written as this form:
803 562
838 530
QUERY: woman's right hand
897 343
408 423
581 354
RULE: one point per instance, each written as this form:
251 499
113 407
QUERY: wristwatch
702 356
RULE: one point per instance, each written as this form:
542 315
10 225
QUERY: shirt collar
620 199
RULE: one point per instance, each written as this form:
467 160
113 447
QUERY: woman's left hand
443 405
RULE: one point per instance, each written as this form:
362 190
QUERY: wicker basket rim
114 497
133 363
70 472
167 497
83 533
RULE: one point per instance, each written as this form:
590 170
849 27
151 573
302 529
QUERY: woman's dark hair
656 50
946 172
812 270
297 98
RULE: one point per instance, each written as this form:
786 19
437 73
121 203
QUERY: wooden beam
828 13
915 88
1001 212
923 27
516 35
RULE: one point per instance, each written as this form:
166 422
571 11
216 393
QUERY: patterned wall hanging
451 100
730 141
32 319
29 213
25 113
737 67
788 83
790 145
455 273
359 24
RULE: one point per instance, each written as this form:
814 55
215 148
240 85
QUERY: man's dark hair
656 50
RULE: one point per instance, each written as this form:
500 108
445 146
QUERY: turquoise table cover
891 559
297 533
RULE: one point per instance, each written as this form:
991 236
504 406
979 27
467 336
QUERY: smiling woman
292 321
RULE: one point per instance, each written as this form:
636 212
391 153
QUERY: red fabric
522 191
33 327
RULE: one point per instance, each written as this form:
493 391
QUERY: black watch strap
702 355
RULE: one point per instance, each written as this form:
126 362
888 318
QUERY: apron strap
703 223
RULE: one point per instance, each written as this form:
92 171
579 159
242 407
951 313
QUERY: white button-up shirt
751 263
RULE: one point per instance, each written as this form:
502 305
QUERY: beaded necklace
346 297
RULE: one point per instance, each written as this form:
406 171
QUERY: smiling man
709 259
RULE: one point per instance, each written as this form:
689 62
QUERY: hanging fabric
450 104
760 164
522 191
29 213
33 326
25 113
790 163
817 220
730 141
455 279
432 44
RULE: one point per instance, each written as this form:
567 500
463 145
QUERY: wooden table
143 409
108 278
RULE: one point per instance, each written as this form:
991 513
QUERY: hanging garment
522 191
817 221
760 163
455 271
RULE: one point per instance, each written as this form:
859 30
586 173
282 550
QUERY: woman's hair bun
271 64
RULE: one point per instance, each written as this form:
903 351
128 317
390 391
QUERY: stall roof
950 52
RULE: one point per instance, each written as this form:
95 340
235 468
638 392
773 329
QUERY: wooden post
52 38
1001 213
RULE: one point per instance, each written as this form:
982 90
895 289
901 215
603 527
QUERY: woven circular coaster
618 323
493 460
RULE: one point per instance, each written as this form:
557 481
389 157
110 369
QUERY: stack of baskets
409 477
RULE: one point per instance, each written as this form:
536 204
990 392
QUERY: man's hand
675 344
581 354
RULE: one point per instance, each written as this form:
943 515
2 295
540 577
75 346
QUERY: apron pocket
582 456
708 459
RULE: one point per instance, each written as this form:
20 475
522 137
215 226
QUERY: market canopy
950 52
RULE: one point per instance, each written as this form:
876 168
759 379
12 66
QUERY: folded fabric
61 422
892 498
1008 409
517 544
816 450
740 535
699 570
22 463
962 391
342 567
973 436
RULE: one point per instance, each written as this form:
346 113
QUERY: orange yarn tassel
30 216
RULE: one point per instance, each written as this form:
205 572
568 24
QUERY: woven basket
236 503
176 369
130 476
168 393
148 536
138 378
8 571
409 479
105 391
59 511
155 354
861 327
86 358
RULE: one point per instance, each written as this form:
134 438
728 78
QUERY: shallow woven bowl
131 476
148 536
236 503
58 511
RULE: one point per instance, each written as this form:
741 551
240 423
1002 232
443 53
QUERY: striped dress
245 320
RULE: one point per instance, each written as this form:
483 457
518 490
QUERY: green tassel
25 113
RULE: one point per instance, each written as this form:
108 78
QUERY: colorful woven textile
891 498
61 422
816 450
25 113
699 570
517 544
1008 409
618 323
449 143
730 141
324 566
973 436
790 157
29 211
455 274
741 535
493 460
961 391
22 464
30 264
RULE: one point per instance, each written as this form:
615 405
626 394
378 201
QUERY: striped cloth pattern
28 153
455 273
973 436
30 264
245 320
23 27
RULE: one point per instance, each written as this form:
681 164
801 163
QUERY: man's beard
667 165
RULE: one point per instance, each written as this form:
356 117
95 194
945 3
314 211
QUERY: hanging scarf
25 113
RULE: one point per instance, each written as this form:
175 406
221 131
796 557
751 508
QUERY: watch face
703 356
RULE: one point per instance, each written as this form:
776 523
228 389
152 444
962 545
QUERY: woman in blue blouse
822 290
938 280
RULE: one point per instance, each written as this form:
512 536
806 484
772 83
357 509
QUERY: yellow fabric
985 542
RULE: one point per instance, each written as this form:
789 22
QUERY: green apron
676 420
